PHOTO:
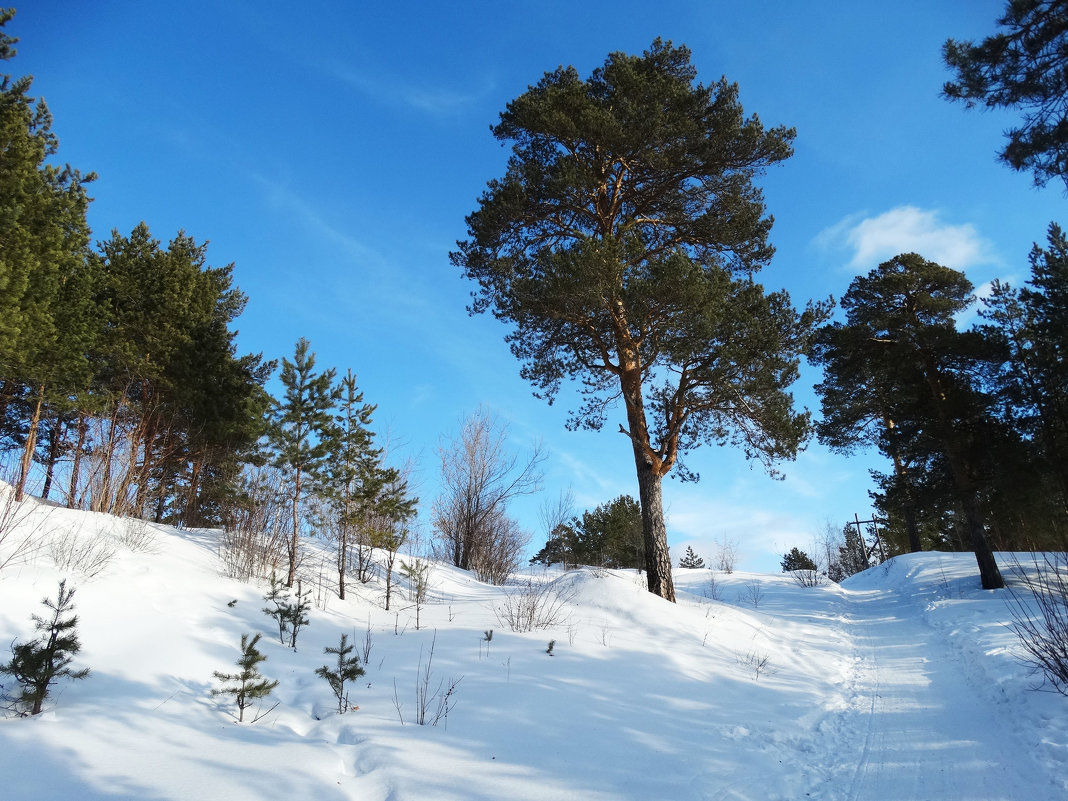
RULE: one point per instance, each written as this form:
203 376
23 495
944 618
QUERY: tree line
622 244
973 422
116 361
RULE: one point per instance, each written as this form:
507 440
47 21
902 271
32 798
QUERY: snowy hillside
902 684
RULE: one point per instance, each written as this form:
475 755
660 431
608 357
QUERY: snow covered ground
903 683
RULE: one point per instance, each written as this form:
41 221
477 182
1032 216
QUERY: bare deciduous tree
479 477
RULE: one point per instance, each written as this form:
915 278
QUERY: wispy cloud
307 215
906 229
438 101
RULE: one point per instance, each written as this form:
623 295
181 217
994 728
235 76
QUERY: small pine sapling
291 614
691 560
549 650
37 664
249 685
297 614
347 669
278 597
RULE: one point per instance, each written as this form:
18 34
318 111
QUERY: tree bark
72 494
650 468
31 444
294 543
989 573
54 447
657 557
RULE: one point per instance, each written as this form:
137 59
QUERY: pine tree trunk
294 543
903 481
72 493
657 557
650 470
104 502
31 444
342 552
989 573
54 441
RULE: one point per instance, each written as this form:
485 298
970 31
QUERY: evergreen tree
1023 66
368 503
298 432
248 685
289 612
900 327
44 240
796 559
278 598
691 560
167 378
621 244
36 665
346 669
608 536
853 553
1032 324
347 479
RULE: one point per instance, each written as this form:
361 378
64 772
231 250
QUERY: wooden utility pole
860 533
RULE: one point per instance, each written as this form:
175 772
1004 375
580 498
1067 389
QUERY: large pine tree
621 244
43 244
921 380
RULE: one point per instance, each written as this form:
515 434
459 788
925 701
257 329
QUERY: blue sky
332 151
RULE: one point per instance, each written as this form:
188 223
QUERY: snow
902 683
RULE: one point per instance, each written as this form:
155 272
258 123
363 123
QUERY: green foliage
796 559
298 432
44 240
620 245
36 665
1024 66
691 560
853 553
899 374
608 536
248 685
369 503
165 360
289 612
1031 325
346 669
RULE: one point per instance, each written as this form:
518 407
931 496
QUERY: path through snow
923 730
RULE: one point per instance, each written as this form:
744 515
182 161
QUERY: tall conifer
298 435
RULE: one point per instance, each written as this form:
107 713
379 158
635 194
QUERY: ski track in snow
928 732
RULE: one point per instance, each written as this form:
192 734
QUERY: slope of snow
903 683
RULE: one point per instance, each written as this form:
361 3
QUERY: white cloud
433 100
906 229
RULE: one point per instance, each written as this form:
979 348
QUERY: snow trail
927 731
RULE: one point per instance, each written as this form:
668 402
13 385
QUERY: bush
534 605
88 555
1045 637
19 534
431 706
36 665
258 526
